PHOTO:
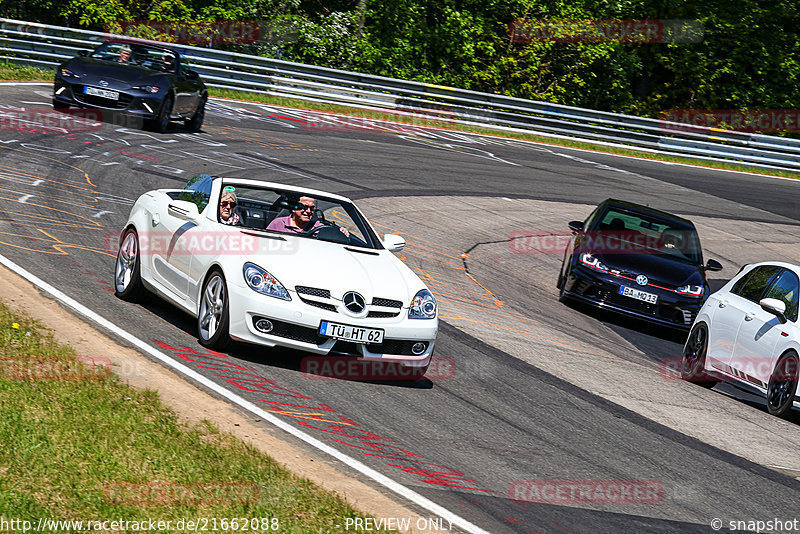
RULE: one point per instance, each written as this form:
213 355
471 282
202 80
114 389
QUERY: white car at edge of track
332 288
747 333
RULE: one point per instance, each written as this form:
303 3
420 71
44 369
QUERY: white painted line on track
381 479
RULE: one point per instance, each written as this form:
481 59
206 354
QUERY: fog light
418 348
264 326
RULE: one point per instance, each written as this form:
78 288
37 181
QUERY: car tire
783 385
161 123
562 287
212 318
196 122
59 105
694 358
127 273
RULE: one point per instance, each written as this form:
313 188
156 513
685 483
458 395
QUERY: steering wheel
314 232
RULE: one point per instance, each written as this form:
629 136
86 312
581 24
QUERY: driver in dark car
125 54
299 220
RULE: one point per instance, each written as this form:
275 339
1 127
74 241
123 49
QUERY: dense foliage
748 56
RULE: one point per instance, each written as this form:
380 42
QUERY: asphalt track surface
463 441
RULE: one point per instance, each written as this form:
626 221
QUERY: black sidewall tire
784 409
135 290
196 122
693 370
161 123
59 105
221 338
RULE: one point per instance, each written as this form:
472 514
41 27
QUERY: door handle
749 316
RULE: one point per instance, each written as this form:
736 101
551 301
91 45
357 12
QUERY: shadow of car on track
311 366
81 116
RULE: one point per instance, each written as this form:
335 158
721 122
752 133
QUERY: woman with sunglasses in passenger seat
226 205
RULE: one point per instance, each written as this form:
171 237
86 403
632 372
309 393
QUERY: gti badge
102 83
354 302
641 280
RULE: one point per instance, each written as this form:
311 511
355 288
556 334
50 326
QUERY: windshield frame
671 223
370 237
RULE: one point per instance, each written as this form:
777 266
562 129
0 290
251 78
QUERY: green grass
12 72
78 444
9 71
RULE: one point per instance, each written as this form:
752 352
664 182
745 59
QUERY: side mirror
575 226
775 307
713 265
83 53
393 242
183 209
192 75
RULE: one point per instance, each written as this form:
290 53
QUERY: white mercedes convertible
278 265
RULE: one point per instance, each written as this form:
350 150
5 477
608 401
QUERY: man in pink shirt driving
299 220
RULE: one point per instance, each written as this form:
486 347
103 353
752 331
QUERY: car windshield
287 212
649 234
156 59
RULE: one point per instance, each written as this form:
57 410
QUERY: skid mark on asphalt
444 272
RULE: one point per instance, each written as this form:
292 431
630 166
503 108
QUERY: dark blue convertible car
146 81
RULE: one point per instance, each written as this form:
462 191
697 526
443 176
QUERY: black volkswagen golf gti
638 261
143 80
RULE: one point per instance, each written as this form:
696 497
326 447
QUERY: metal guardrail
46 46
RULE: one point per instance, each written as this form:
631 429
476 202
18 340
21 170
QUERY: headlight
692 291
423 306
66 73
594 263
261 281
147 88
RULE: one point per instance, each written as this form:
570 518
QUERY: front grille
316 304
386 303
91 100
610 295
394 346
346 348
382 315
321 293
295 332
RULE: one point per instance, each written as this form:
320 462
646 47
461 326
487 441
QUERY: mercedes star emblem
354 302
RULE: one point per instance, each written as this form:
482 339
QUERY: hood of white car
339 269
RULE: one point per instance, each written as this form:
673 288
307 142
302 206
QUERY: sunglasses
303 207
226 203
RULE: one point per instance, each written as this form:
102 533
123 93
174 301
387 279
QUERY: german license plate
346 332
638 295
103 93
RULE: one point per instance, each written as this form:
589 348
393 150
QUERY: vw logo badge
102 83
354 302
641 280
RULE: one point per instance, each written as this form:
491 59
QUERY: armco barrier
46 46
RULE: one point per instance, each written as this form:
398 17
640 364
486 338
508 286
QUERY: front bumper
602 290
133 103
296 326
